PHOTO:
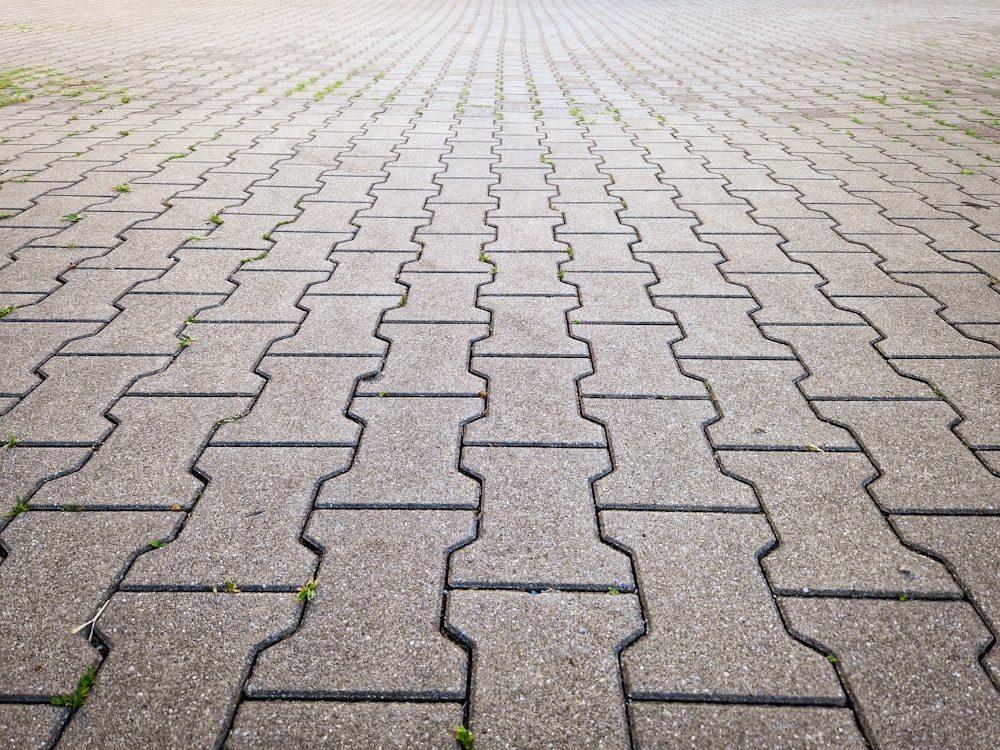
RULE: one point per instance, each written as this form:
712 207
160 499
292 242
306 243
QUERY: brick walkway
625 372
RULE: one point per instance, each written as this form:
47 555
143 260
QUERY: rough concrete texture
559 340
677 726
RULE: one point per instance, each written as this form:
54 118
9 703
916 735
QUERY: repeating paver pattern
579 374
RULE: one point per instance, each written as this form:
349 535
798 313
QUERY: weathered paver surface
584 373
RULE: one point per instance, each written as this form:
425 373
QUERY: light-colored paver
581 374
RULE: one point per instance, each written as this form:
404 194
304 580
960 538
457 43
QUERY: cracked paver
584 374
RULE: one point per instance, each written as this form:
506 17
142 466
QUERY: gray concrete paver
78 555
833 539
376 610
344 725
673 726
935 689
135 700
31 726
550 274
528 493
539 658
922 464
711 625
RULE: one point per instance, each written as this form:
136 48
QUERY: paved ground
626 374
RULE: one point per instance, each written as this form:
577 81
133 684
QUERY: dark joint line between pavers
788 448
722 698
463 507
355 697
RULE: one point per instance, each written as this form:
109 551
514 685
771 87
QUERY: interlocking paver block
343 325
520 234
22 469
634 360
426 359
533 401
376 613
690 275
387 235
527 273
616 298
537 657
263 297
680 726
408 455
544 317
538 527
843 363
303 402
662 459
971 386
146 461
922 464
363 273
157 688
760 406
854 274
60 568
720 327
68 406
792 298
913 329
247 523
31 726
27 345
197 272
444 297
971 546
345 725
712 626
36 269
88 294
911 667
148 324
220 360
833 538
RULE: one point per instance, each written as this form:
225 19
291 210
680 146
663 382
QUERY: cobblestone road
587 374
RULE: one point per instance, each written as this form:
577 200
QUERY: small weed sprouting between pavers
831 658
73 218
123 133
215 219
185 341
403 300
227 420
123 188
20 506
904 597
11 442
5 216
814 449
155 543
231 587
308 592
76 699
253 258
71 508
463 737
613 591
